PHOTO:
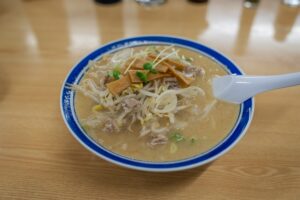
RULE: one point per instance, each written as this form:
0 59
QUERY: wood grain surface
41 40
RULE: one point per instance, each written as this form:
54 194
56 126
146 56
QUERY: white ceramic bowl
70 118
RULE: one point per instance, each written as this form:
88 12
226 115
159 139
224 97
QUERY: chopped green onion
116 74
189 59
177 137
149 66
142 76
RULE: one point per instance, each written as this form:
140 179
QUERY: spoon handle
265 83
236 89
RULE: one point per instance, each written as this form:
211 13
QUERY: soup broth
202 123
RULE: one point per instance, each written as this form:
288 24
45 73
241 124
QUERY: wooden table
41 40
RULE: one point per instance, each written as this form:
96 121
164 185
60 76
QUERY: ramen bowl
71 119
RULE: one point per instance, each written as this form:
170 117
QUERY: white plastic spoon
238 88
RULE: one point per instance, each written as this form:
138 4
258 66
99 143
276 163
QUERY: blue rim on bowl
76 73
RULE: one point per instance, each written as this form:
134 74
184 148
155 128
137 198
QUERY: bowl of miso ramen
146 103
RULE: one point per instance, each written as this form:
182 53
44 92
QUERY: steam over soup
153 103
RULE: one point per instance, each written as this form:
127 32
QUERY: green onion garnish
149 66
142 76
177 137
116 74
189 59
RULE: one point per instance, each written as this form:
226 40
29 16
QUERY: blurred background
240 29
40 41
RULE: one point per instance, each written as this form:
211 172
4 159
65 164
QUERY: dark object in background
151 2
107 1
198 1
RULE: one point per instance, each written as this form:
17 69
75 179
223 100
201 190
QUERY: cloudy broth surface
189 135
